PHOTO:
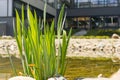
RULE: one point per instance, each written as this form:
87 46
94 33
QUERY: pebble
77 47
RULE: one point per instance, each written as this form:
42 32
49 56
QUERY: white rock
96 79
6 37
100 45
12 47
21 78
57 78
116 57
115 36
115 76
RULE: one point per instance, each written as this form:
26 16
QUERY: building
87 14
91 14
7 14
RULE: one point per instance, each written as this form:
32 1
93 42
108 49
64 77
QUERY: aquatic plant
36 43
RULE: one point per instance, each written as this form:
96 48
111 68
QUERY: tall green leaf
36 43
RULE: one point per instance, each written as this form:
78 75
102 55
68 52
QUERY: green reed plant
36 43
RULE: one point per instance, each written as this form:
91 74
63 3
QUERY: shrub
102 32
99 34
91 37
39 56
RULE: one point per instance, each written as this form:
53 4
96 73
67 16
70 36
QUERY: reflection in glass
95 3
51 2
82 3
104 21
112 2
93 22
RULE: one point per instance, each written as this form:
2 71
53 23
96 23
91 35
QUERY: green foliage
91 37
37 46
102 32
99 34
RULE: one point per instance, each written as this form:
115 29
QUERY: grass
90 58
99 34
37 40
102 32
91 37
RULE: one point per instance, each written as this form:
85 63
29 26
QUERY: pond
90 67
77 67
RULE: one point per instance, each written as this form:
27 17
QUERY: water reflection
4 76
77 67
6 69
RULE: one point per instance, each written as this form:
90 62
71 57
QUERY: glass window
82 3
75 1
101 2
51 2
94 1
112 2
17 5
83 0
98 3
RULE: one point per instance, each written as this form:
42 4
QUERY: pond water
90 67
77 67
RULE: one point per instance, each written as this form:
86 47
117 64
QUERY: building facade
88 14
7 14
91 14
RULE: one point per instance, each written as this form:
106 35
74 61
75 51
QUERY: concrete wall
9 25
10 7
40 5
3 7
2 28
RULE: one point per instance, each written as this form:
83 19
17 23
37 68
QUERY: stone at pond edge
30 78
115 36
57 78
6 37
115 76
21 78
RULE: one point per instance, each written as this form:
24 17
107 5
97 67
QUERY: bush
99 34
91 37
102 32
39 57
